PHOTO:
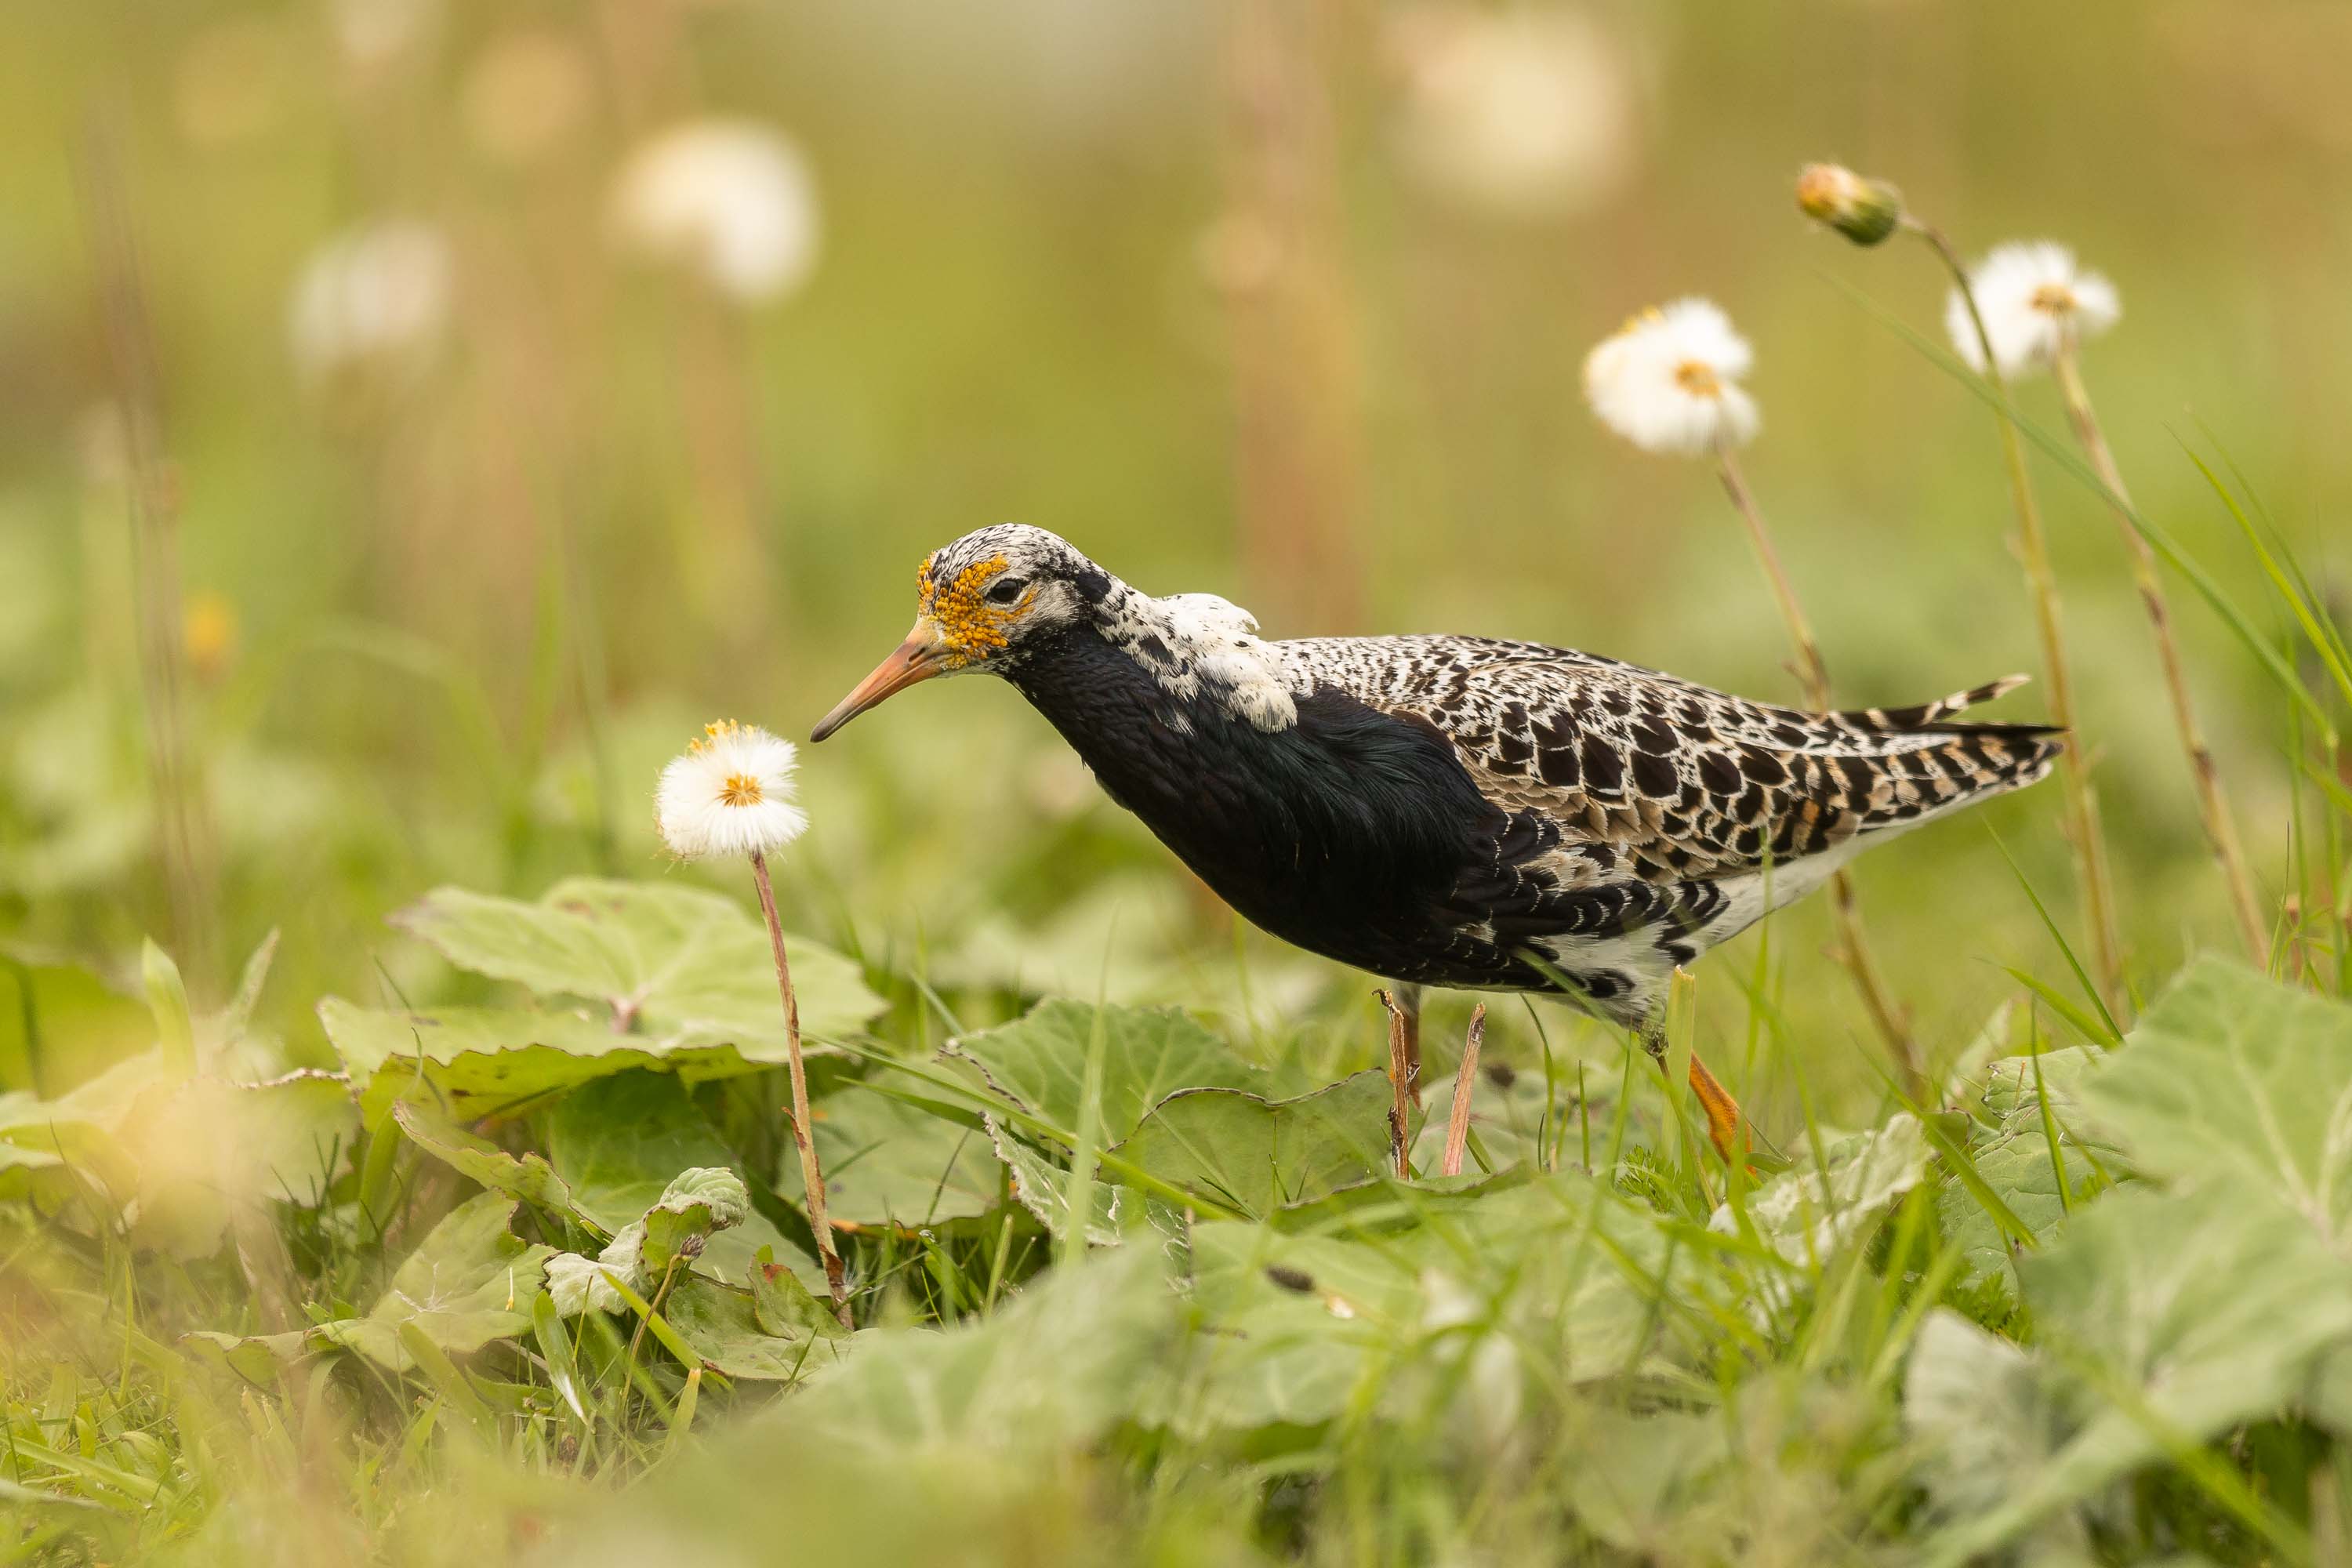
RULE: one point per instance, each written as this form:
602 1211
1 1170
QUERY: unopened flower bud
1864 211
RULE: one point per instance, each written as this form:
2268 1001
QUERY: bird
1459 812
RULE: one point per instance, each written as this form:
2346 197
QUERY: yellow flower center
2054 298
740 789
1698 379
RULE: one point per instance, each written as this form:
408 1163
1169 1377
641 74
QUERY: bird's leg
1408 997
1723 1121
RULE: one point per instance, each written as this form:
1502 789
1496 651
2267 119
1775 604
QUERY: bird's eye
1005 590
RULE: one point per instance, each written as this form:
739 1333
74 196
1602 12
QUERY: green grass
330 1238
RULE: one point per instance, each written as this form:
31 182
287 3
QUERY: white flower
1669 381
1522 112
2035 299
731 793
730 200
376 293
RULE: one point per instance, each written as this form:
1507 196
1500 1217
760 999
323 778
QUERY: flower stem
2212 802
1465 1081
1853 950
2082 801
836 1278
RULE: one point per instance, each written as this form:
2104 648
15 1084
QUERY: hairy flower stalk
730 795
2212 801
1669 381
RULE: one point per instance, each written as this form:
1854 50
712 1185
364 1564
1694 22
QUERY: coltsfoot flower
1863 210
1669 381
2036 300
730 795
730 201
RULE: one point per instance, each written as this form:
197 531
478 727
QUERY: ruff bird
1448 811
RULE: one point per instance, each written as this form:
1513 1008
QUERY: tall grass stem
2212 801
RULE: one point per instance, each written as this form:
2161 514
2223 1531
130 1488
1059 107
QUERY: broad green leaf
1039 1061
167 998
620 1141
527 1175
179 1157
678 964
470 1282
1255 1155
1980 1411
722 1323
1042 1186
2164 1319
257 1358
698 1203
2233 1079
1298 1330
472 1062
2009 1145
786 1308
60 1024
886 1161
1807 1215
1074 1353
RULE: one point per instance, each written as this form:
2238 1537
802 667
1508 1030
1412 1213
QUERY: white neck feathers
1200 646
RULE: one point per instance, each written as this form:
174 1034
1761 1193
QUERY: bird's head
985 601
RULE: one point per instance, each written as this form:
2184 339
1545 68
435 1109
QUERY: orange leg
1724 1128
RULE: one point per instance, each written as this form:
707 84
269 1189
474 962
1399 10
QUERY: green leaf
1072 1354
60 1023
179 1157
1256 1155
527 1175
723 1324
1555 1273
786 1308
167 998
620 1141
472 1062
2164 1319
470 1282
888 1163
1981 1412
2011 1155
1042 1186
678 964
1039 1061
698 1203
1808 1214
2233 1079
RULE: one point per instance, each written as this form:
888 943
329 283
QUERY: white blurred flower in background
377 295
730 201
374 33
2036 300
1669 381
1521 112
527 93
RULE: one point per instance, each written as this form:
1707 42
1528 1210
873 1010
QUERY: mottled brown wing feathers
1663 780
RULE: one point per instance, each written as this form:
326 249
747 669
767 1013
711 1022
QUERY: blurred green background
1283 301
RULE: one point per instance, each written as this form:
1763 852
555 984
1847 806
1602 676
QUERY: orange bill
923 655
